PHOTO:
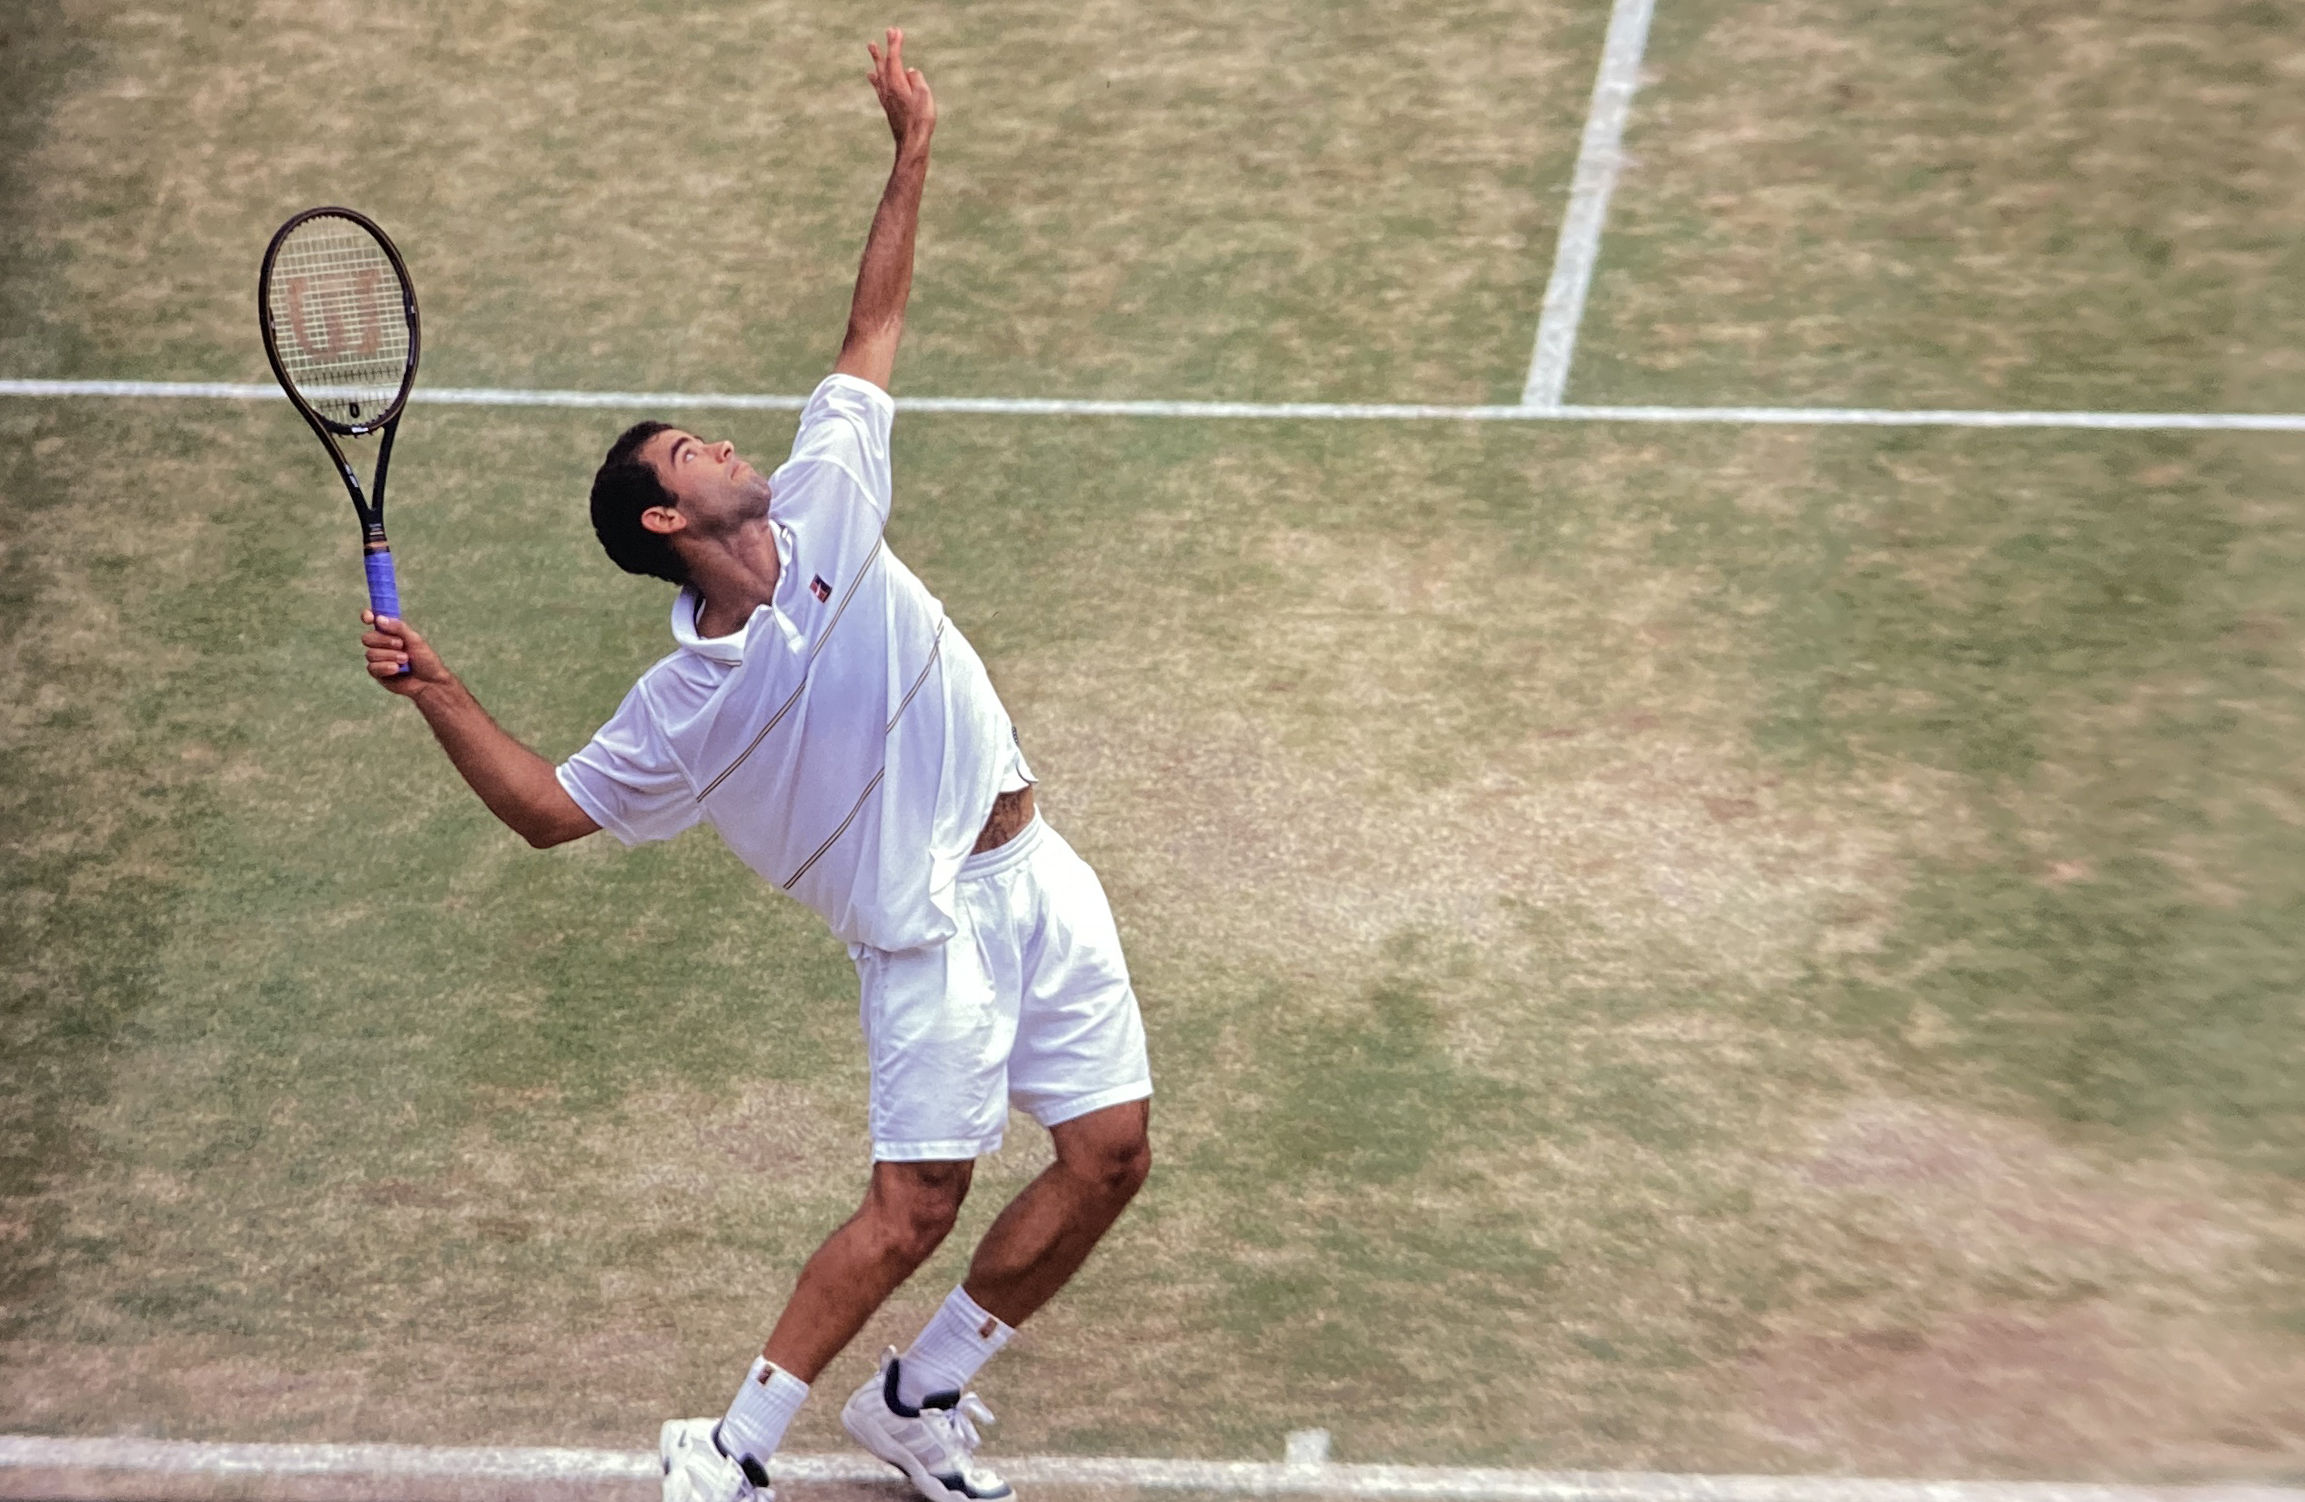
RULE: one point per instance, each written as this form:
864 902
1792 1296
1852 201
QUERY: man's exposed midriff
1011 812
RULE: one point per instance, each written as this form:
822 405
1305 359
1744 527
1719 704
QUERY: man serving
826 717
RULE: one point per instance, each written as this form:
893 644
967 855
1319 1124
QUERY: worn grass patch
1960 204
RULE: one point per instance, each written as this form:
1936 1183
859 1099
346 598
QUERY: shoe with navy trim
696 1469
934 1444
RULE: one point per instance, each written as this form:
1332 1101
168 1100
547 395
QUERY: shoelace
962 1419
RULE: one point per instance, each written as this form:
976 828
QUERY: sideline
121 1470
1600 154
1030 406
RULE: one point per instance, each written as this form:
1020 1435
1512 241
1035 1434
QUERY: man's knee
1125 1167
1110 1150
914 1205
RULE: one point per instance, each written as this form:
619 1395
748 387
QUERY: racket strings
339 319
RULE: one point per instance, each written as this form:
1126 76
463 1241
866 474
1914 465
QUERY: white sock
761 1412
959 1340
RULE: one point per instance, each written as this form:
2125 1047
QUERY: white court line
1946 417
1027 406
455 396
389 1470
1599 155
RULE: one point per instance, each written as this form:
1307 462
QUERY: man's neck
735 580
719 614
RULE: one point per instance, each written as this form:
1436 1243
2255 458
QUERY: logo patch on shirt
817 587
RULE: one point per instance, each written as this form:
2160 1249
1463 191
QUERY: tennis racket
339 321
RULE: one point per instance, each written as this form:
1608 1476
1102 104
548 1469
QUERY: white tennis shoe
696 1471
934 1444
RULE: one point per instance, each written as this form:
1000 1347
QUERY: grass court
1699 948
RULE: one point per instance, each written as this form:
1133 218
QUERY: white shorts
1029 1003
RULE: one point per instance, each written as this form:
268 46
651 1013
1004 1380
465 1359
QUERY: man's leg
1044 1235
907 1213
1034 1247
916 1414
908 1210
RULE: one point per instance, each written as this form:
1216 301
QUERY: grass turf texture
1707 950
676 194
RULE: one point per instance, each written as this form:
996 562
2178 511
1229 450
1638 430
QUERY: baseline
34 1466
709 401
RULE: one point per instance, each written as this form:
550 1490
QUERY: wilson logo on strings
358 294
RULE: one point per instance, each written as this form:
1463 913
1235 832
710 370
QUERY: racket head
339 319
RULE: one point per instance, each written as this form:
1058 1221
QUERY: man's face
715 492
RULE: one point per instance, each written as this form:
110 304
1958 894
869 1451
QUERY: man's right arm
518 785
884 279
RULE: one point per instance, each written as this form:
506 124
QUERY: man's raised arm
884 281
517 784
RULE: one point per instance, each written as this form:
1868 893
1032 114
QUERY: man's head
662 492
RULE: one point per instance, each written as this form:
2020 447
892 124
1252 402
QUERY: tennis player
824 715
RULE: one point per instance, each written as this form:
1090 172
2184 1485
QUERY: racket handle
383 587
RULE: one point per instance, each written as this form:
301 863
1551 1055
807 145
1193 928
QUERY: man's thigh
937 1034
1080 1041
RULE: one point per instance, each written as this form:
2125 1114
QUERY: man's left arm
884 280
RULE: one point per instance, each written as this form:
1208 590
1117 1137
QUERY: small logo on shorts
817 587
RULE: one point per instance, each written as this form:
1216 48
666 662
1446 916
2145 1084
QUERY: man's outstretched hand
884 280
392 642
904 94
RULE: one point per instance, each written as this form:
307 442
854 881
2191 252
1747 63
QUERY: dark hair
624 487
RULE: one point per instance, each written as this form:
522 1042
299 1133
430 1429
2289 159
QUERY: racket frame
383 590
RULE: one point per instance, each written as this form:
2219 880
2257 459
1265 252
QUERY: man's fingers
388 645
903 91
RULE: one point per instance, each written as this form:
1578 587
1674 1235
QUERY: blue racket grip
383 587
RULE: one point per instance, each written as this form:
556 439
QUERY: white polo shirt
845 741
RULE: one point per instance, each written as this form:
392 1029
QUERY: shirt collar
728 649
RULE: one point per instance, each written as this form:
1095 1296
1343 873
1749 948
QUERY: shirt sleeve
626 779
845 427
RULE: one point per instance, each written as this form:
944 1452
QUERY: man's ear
663 520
